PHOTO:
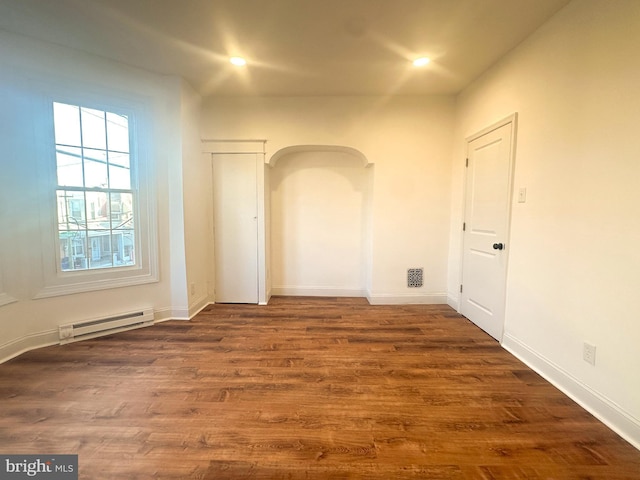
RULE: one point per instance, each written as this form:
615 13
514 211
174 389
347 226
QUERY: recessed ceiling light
420 62
238 61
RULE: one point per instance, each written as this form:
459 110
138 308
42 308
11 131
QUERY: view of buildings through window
95 199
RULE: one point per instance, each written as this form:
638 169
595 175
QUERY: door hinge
466 163
460 288
464 226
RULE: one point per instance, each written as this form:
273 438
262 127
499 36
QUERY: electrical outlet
589 353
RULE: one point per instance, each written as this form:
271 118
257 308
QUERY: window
99 229
96 201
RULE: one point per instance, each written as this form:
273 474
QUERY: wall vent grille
415 277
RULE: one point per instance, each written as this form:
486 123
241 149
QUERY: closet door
486 234
235 211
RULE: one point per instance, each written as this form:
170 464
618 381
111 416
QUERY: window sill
83 283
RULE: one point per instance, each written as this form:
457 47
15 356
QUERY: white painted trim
171 313
513 118
6 299
232 146
318 148
199 305
601 407
262 206
453 301
85 284
269 294
27 343
318 291
407 298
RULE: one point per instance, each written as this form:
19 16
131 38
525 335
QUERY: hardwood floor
304 388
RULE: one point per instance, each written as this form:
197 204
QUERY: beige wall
198 219
574 263
408 139
320 218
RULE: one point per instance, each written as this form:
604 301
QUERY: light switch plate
522 195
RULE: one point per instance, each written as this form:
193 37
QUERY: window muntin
96 203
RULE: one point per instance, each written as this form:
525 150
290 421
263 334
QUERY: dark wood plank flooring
304 388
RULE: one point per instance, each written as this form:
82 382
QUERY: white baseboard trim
199 305
171 313
604 409
269 294
268 297
6 299
318 291
453 301
407 298
26 343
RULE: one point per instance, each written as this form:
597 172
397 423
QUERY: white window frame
58 282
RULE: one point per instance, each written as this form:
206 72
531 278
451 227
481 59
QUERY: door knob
498 246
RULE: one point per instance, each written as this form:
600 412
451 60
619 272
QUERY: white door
486 228
235 212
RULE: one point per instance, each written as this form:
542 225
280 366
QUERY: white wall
574 262
409 141
31 72
320 226
198 226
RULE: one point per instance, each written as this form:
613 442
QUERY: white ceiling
293 47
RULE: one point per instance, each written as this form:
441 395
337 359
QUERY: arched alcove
320 204
283 152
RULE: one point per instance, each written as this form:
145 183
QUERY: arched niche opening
284 152
321 228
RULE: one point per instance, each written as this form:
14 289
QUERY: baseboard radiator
74 332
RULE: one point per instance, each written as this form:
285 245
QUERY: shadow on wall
320 221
